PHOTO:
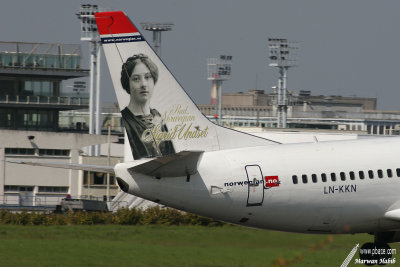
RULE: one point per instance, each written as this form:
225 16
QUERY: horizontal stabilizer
175 165
71 166
393 215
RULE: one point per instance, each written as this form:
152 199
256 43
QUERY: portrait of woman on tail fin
139 76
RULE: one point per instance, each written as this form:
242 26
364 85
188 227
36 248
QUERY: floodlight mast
218 70
282 54
157 28
89 33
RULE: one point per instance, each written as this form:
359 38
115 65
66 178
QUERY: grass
116 245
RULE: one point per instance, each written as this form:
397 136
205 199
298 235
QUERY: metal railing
43 100
34 202
40 55
38 202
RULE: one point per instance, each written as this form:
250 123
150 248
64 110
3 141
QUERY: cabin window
342 176
380 173
398 172
294 178
314 178
323 177
304 178
371 174
389 173
361 174
352 176
333 176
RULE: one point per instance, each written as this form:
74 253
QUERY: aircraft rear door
255 185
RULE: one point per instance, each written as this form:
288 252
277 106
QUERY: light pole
157 28
89 33
282 54
218 70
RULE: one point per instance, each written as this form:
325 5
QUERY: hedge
154 215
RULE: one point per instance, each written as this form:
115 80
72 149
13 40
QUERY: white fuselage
224 187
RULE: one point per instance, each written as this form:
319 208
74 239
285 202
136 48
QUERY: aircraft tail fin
158 115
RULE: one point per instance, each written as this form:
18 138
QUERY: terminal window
53 189
39 88
97 178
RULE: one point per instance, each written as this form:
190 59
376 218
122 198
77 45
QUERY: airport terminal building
31 99
256 108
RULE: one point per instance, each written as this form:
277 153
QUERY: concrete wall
19 175
49 140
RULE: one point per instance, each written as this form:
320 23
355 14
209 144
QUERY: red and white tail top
158 115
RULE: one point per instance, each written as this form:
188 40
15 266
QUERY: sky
346 47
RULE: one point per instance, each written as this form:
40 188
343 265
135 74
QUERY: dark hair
129 66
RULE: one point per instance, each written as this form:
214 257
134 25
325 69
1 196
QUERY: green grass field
111 245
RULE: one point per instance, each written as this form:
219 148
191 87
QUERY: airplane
178 158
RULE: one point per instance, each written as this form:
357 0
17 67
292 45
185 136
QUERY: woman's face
141 83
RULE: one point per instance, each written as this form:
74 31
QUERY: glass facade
41 152
28 119
48 61
53 189
97 178
31 76
13 87
38 88
7 87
